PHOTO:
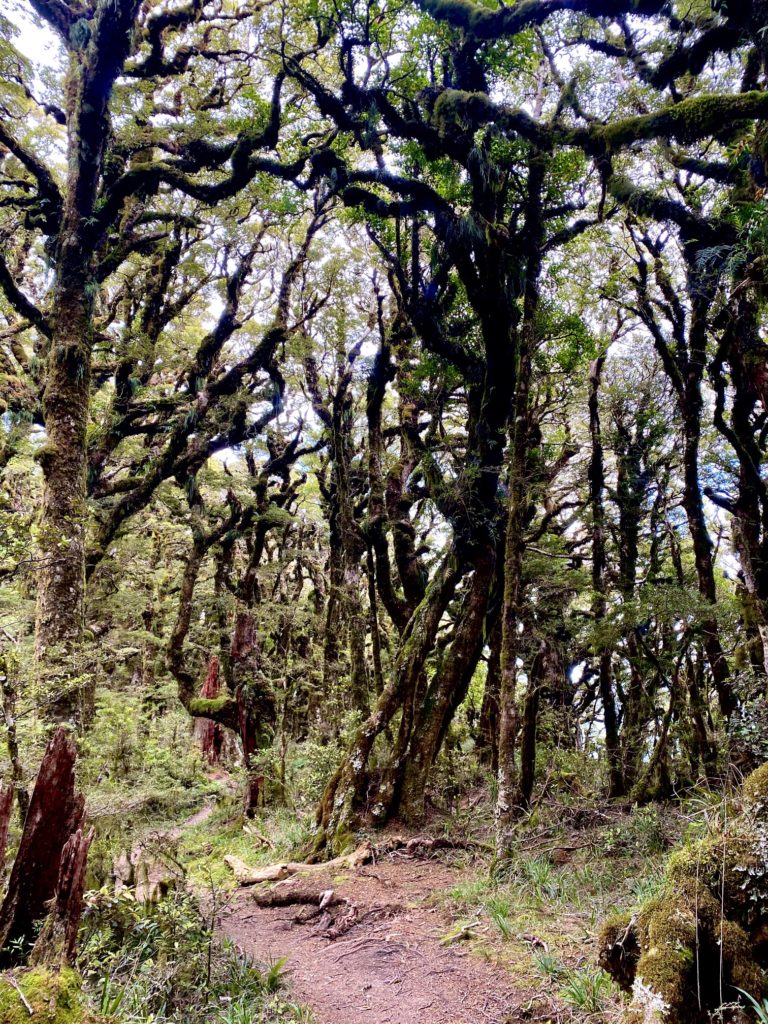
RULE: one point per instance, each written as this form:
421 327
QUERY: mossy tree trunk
684 359
488 724
445 692
97 49
518 513
345 792
743 350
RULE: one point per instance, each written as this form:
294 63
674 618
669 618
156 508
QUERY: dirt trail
389 967
201 815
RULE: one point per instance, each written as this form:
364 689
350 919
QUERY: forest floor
395 965
437 935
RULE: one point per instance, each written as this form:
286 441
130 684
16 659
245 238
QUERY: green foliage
202 848
550 966
161 963
587 990
648 830
760 1008
313 764
128 743
499 911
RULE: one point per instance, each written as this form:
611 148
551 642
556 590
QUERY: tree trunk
345 791
210 734
6 809
488 726
599 604
702 550
56 812
528 725
446 691
93 69
357 623
8 668
514 550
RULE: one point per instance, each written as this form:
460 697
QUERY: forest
383 511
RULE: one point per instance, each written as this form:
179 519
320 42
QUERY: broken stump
56 812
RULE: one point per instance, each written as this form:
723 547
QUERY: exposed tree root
423 846
334 915
417 846
246 875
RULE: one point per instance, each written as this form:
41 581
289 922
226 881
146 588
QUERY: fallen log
290 897
246 875
416 846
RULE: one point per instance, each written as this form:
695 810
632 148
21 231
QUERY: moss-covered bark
96 57
688 949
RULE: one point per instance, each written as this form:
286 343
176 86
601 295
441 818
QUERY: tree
120 166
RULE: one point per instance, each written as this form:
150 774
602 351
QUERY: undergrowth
538 912
162 964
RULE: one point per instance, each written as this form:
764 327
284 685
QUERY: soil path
390 966
201 815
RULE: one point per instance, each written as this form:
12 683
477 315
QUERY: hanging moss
54 995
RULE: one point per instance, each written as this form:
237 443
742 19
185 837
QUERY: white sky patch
35 40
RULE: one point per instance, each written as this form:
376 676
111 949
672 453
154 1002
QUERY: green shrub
162 963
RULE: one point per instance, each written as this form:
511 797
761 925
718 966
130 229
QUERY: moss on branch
210 707
687 121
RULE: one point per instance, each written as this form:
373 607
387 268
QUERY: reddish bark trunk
56 811
6 807
58 939
210 734
255 704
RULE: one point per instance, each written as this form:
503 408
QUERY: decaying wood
55 813
246 875
330 914
282 896
6 808
258 837
416 846
466 931
56 942
152 872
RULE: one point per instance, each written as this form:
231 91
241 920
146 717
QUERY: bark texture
56 813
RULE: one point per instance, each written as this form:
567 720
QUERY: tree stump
149 870
56 812
58 938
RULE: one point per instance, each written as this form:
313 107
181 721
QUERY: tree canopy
407 361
